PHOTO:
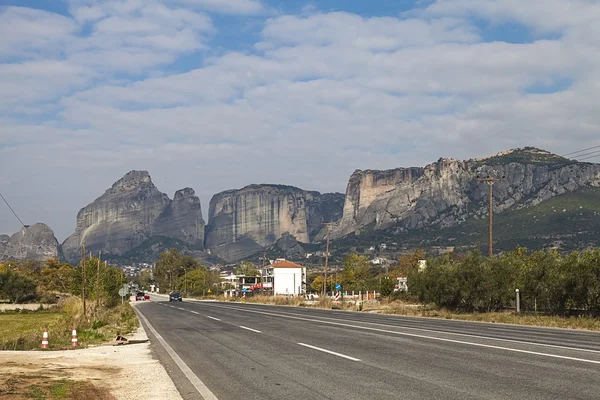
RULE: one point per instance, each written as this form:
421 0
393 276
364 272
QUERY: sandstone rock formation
448 191
36 242
132 211
242 222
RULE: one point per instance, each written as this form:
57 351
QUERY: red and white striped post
45 339
74 342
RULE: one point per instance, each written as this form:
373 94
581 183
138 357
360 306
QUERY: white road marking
250 329
430 337
329 352
179 308
194 312
474 336
216 319
194 380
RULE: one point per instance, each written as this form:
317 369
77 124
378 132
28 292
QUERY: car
141 296
175 296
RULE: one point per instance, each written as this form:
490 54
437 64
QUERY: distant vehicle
175 296
141 296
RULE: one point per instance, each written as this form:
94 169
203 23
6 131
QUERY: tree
357 272
199 282
56 276
387 285
316 284
16 286
172 265
246 269
102 282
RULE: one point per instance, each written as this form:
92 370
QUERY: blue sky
218 94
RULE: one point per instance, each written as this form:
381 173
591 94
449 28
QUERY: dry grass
23 330
43 387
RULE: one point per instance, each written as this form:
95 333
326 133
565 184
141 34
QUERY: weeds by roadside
23 330
45 388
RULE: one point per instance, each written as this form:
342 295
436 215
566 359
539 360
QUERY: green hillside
571 220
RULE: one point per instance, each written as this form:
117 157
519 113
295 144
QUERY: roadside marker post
45 339
74 337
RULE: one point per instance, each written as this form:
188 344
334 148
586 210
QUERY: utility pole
98 282
326 258
83 275
490 181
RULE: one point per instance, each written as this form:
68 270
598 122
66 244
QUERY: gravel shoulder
128 372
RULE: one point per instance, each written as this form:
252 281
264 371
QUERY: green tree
357 273
246 269
200 281
170 266
16 286
56 276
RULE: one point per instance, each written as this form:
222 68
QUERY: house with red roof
288 278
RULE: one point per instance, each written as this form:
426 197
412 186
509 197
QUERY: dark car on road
141 296
175 296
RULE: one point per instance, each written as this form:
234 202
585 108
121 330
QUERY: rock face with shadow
132 211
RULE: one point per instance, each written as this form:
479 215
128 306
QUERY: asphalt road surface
248 351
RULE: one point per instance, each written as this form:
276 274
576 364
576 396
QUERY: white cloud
247 7
546 16
320 96
30 33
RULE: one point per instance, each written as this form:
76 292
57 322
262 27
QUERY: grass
44 388
24 330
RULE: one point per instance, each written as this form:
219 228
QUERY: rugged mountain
242 222
35 242
447 192
132 211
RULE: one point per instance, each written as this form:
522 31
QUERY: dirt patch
43 387
103 372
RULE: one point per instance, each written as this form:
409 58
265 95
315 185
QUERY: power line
580 151
21 221
586 154
588 157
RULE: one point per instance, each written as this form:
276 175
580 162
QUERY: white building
288 278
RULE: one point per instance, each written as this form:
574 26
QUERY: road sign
338 286
123 292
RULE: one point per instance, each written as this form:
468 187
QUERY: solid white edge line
250 329
216 319
428 337
329 352
194 380
471 335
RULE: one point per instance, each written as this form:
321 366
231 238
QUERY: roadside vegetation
45 388
62 285
555 290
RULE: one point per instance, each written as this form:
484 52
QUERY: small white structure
402 284
288 278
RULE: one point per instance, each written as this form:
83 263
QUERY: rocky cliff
132 211
448 191
36 242
242 222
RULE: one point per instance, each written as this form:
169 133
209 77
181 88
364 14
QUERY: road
250 351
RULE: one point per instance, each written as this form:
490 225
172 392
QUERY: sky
219 94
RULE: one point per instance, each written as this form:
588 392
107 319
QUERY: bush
547 281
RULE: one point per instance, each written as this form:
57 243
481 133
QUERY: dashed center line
329 352
250 329
194 312
216 319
